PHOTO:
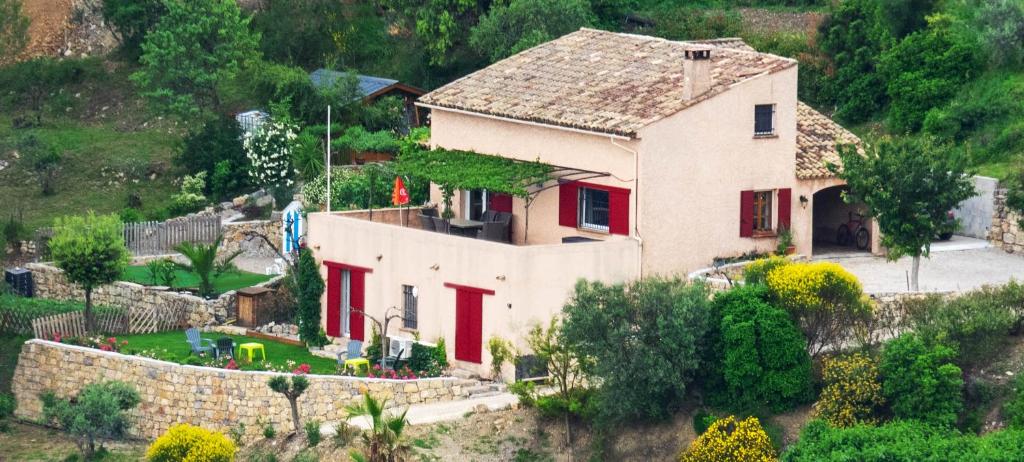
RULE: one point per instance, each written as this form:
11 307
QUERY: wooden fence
111 321
158 238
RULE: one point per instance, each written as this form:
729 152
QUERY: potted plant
785 244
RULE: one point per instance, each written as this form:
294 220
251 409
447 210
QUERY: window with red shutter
746 213
618 211
785 198
568 199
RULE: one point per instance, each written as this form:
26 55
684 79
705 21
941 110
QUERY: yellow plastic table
356 363
249 348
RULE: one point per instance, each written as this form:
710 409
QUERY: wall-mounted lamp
803 201
317 247
435 267
500 277
510 306
380 256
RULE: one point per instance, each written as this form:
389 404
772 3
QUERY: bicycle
860 236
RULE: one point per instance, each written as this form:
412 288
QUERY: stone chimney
696 71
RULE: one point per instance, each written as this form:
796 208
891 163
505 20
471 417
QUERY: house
373 88
662 155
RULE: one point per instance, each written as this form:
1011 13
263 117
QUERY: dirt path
50 24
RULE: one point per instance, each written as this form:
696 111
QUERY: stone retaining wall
235 237
50 283
213 398
1005 232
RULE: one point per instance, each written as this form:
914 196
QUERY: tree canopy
909 185
521 24
194 48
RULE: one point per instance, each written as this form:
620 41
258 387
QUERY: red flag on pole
399 195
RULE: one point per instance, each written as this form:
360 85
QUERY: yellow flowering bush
852 393
757 271
186 443
827 301
728 440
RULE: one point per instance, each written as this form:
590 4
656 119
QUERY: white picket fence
158 238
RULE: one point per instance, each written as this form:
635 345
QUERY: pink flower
56 337
231 364
124 343
105 347
111 340
370 375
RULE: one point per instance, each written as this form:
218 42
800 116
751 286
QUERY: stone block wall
221 399
235 238
213 398
50 283
1005 232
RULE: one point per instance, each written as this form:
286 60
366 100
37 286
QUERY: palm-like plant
202 260
384 442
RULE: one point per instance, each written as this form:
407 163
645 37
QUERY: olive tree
97 413
91 251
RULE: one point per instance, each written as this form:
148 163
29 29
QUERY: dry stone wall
213 398
50 283
236 238
1005 232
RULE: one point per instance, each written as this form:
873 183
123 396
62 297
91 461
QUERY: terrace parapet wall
1005 232
217 399
49 282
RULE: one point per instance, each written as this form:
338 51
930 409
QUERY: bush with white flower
269 150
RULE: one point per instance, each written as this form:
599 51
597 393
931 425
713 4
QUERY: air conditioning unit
400 344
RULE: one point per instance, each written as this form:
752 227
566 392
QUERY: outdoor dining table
465 227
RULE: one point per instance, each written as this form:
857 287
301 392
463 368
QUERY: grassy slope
92 155
227 281
277 353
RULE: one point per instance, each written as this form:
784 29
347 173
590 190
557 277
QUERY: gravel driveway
948 269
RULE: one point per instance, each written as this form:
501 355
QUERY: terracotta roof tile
816 140
599 81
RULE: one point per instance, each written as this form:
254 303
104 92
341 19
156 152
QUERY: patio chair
489 215
353 356
428 212
389 362
225 345
197 342
440 225
426 222
493 231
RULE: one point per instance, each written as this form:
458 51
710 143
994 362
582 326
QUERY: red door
468 325
500 202
357 283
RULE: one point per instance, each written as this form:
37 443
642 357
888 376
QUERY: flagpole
328 143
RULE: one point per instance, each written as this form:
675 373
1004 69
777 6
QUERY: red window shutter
618 211
746 213
500 203
357 283
568 201
333 314
785 203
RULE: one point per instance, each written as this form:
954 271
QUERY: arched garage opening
839 227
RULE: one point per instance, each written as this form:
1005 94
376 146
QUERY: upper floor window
764 119
593 209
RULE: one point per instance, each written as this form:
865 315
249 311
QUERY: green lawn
171 346
187 280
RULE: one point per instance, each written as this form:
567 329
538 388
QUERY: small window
762 211
409 307
764 119
593 209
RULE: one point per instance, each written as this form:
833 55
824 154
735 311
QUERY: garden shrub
975 324
728 440
191 197
312 428
7 406
759 358
920 381
216 148
95 414
184 442
269 151
757 271
642 342
309 286
901 441
501 351
1013 409
428 361
852 394
357 139
361 188
827 301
